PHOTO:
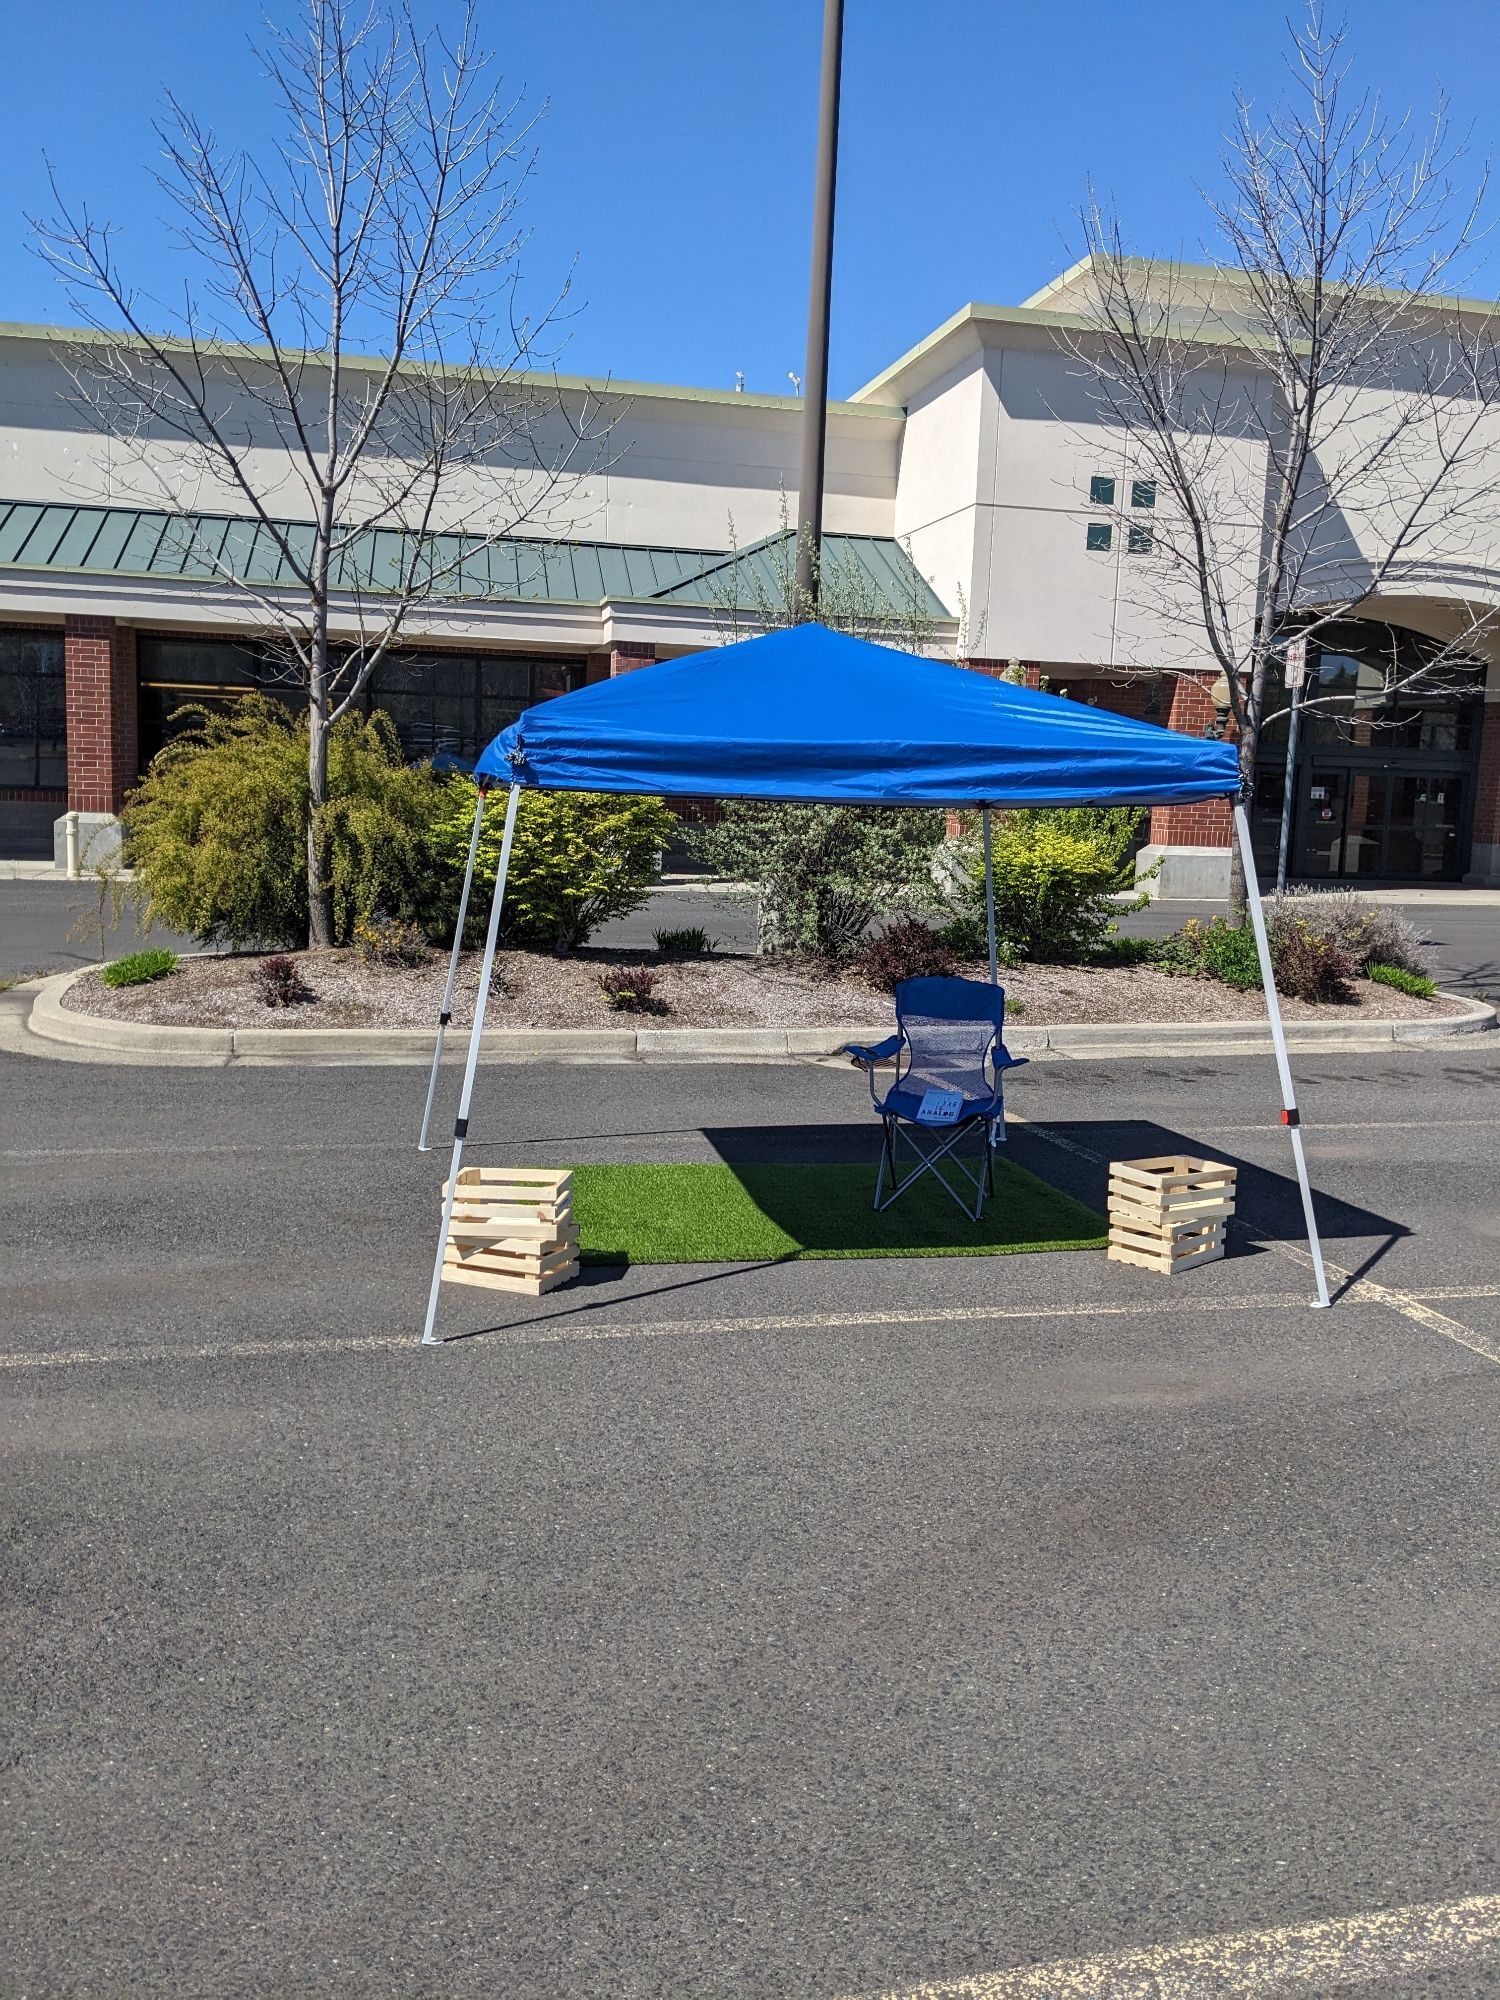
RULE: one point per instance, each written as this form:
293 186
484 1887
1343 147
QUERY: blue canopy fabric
813 714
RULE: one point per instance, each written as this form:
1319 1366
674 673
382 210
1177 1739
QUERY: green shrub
1180 953
824 873
1229 954
1112 829
138 967
1052 891
1371 933
1056 871
966 937
1397 975
907 949
217 828
689 942
1126 951
578 860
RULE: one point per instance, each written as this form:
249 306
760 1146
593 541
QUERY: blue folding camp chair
947 1047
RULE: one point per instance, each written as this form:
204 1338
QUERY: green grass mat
758 1214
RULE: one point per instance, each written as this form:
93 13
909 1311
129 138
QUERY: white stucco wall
664 466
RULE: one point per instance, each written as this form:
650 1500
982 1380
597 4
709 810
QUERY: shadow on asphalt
1268 1207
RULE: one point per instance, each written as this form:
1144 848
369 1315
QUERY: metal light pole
815 377
1295 672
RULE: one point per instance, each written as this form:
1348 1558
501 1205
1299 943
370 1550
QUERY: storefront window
445 706
33 712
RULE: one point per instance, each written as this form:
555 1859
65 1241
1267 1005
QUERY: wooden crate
512 1229
1169 1213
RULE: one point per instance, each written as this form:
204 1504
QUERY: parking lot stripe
1319 1958
1410 1305
577 1324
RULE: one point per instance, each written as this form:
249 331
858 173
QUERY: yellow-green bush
579 859
217 828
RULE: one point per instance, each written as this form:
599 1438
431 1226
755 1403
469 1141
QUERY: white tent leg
446 1013
461 1125
989 897
1278 1038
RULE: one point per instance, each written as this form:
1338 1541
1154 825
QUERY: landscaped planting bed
534 990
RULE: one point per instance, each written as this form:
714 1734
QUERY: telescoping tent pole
1289 1115
989 897
445 1014
461 1124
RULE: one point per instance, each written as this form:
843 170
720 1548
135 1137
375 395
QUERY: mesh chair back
950 1026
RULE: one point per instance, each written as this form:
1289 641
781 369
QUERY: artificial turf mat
755 1214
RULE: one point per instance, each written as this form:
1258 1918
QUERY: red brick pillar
1210 823
99 665
625 658
1484 857
999 670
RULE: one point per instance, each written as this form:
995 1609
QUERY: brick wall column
999 670
626 657
1484 858
100 684
1210 822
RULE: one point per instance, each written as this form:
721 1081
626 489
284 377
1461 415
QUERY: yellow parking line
1319 1958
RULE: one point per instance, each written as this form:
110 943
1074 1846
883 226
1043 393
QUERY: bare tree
1315 416
338 494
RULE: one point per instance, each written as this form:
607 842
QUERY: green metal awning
201 548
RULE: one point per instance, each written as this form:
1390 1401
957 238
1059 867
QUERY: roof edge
597 385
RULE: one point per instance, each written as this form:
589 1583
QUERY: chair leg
887 1158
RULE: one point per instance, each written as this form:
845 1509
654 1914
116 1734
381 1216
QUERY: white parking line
1409 1943
1410 1305
579 1325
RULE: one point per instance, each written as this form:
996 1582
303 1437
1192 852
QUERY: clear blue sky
676 156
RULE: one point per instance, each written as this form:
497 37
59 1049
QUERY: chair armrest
1003 1059
866 1056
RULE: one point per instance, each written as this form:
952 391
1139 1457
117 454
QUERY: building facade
971 479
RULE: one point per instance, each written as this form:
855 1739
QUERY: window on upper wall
33 713
1100 534
1140 541
1101 490
1143 492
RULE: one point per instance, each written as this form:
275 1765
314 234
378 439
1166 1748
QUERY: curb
50 1021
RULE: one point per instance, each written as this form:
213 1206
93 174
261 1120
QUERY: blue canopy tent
815 715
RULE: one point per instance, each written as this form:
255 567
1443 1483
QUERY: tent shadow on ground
1268 1206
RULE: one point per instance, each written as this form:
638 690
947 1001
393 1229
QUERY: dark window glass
179 675
1100 535
1140 541
447 706
1143 492
33 712
1102 490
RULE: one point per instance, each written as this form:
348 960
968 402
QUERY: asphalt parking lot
821 1630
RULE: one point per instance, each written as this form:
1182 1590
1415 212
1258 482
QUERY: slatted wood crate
1170 1213
512 1229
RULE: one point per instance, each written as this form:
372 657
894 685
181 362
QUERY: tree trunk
319 900
1249 748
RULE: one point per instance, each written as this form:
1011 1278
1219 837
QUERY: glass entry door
1357 823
